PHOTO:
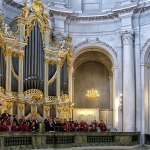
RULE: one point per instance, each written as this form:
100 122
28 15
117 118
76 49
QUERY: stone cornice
10 4
121 9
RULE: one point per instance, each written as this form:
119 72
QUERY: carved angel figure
46 8
26 9
6 29
62 44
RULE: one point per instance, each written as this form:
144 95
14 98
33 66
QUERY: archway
109 52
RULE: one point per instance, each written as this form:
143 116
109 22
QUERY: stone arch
106 49
145 51
96 43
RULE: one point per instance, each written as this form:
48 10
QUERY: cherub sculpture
62 46
6 29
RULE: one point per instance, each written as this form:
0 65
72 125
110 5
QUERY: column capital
21 55
127 36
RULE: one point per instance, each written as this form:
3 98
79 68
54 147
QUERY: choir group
51 124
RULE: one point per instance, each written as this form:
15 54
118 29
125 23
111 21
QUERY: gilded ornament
25 10
21 105
37 7
15 94
9 104
45 18
2 90
34 113
21 55
8 52
59 108
46 61
47 107
65 109
52 79
34 94
14 73
52 98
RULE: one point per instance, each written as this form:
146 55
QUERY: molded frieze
94 41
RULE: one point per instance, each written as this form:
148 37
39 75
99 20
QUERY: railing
36 140
147 139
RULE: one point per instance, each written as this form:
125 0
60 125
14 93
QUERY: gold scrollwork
14 73
65 96
52 79
8 52
52 98
47 107
21 105
59 108
25 10
2 90
15 94
37 7
21 55
9 104
65 109
34 93
34 113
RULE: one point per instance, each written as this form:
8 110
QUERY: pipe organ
35 71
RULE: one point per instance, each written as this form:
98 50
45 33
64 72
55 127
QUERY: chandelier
92 94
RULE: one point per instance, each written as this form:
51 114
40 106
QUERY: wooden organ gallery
35 72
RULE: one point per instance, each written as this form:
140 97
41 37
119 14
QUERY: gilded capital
46 61
47 107
21 105
8 52
21 55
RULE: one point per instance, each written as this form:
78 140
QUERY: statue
26 9
46 9
46 13
62 46
6 30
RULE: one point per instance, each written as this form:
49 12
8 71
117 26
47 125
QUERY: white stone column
8 70
20 81
73 78
46 79
45 86
58 86
70 71
111 91
128 83
58 81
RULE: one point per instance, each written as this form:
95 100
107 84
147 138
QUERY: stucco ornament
94 41
26 9
37 7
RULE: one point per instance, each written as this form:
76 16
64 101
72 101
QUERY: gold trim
2 90
53 78
21 105
14 73
37 7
